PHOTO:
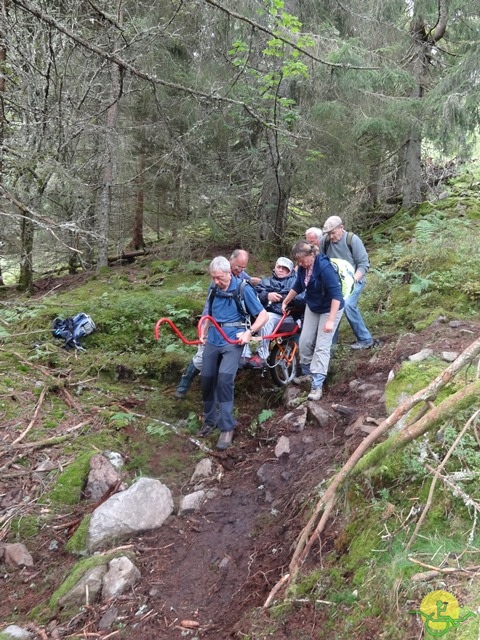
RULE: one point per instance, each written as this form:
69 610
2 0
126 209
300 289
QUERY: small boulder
122 574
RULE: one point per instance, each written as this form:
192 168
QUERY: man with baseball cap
271 292
338 243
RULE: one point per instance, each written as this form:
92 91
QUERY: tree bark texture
423 41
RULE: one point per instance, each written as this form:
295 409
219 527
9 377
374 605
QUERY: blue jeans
353 315
219 368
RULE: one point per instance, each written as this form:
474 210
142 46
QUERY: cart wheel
284 367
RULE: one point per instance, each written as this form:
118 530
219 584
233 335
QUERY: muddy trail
203 576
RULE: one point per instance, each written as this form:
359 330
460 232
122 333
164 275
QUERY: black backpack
238 296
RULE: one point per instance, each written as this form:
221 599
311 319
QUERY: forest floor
208 575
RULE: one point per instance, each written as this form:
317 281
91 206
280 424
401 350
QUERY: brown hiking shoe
225 440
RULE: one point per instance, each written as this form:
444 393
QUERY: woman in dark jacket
317 277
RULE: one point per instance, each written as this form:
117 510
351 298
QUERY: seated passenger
271 292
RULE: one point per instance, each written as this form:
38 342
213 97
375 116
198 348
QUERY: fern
419 284
427 228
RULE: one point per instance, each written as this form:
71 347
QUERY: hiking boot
315 394
256 362
302 379
362 344
186 380
206 430
225 440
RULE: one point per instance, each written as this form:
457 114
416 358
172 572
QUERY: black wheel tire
283 373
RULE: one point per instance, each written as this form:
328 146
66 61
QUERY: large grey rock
295 420
204 469
321 416
421 355
16 555
144 506
282 448
122 574
450 356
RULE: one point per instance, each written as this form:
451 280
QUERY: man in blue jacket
238 264
220 357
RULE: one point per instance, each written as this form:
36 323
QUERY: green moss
69 484
25 527
77 543
76 574
411 378
306 586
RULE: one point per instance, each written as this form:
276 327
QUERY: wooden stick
33 420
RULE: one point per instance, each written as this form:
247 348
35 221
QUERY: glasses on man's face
239 267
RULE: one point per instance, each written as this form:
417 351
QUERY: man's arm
360 258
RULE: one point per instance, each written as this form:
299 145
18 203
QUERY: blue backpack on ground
72 330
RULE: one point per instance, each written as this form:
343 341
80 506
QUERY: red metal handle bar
175 329
180 335
273 336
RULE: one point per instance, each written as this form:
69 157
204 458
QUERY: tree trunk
25 280
423 39
3 59
412 178
138 241
105 211
272 208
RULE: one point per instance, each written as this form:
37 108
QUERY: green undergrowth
374 567
119 390
371 576
418 266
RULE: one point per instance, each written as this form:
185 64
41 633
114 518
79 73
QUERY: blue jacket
275 285
224 309
323 286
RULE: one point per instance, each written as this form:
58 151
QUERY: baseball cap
331 223
285 262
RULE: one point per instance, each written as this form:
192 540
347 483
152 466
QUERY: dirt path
213 568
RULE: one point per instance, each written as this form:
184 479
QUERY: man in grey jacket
338 243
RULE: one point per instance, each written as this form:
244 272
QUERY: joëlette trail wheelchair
283 360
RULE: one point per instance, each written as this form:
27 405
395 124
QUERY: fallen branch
33 420
437 473
312 530
439 414
357 463
468 500
436 571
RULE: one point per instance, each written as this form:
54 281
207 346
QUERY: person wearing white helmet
271 292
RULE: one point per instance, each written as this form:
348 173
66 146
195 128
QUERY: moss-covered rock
68 487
